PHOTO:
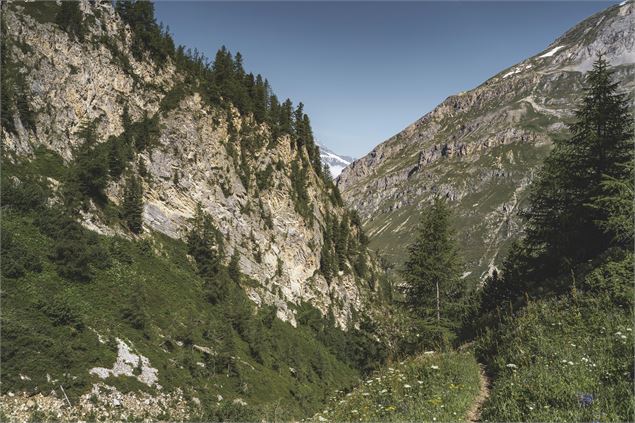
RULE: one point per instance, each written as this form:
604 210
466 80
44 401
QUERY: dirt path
474 414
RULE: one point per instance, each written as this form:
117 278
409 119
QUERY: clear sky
365 70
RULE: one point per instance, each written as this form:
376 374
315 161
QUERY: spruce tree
70 19
432 286
562 222
204 243
133 204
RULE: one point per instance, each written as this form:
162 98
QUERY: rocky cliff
198 157
481 148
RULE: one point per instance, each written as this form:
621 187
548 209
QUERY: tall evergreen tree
133 204
70 19
562 224
432 286
205 244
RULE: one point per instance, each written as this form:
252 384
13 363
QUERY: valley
178 246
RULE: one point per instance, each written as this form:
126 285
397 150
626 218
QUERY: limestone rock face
71 82
481 148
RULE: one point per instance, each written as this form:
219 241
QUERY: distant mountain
335 162
481 148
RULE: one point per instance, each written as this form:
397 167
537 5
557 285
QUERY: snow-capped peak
335 162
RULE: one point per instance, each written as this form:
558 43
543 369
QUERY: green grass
429 387
50 320
555 352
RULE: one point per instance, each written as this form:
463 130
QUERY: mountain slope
158 214
246 177
481 148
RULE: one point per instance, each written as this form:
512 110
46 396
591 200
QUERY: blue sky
365 70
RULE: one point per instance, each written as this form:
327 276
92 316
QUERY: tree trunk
438 303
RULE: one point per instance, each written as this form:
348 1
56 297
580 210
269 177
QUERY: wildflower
420 382
623 336
512 366
407 386
585 400
531 408
354 411
434 367
365 394
570 363
383 391
572 344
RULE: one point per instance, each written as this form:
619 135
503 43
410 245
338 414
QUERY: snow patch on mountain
551 52
335 162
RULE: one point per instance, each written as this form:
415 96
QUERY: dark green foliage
134 312
299 193
433 290
117 157
62 311
562 224
148 37
16 259
581 204
263 178
205 244
234 266
132 206
561 312
89 173
73 250
145 132
70 19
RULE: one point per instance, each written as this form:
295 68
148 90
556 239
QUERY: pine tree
116 158
562 224
133 204
70 19
432 286
234 266
204 243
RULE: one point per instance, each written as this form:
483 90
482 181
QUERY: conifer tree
234 266
432 286
562 223
133 204
205 244
70 19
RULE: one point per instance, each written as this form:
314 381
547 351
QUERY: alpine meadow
181 243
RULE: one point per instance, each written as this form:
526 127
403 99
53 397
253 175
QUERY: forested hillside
172 247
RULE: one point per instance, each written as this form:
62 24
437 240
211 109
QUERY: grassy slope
558 350
429 387
50 324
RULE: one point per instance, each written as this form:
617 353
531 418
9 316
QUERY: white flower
407 386
365 394
434 367
354 411
512 366
570 363
383 391
572 344
531 408
623 336
420 382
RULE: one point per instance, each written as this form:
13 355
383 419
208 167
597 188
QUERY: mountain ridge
493 137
